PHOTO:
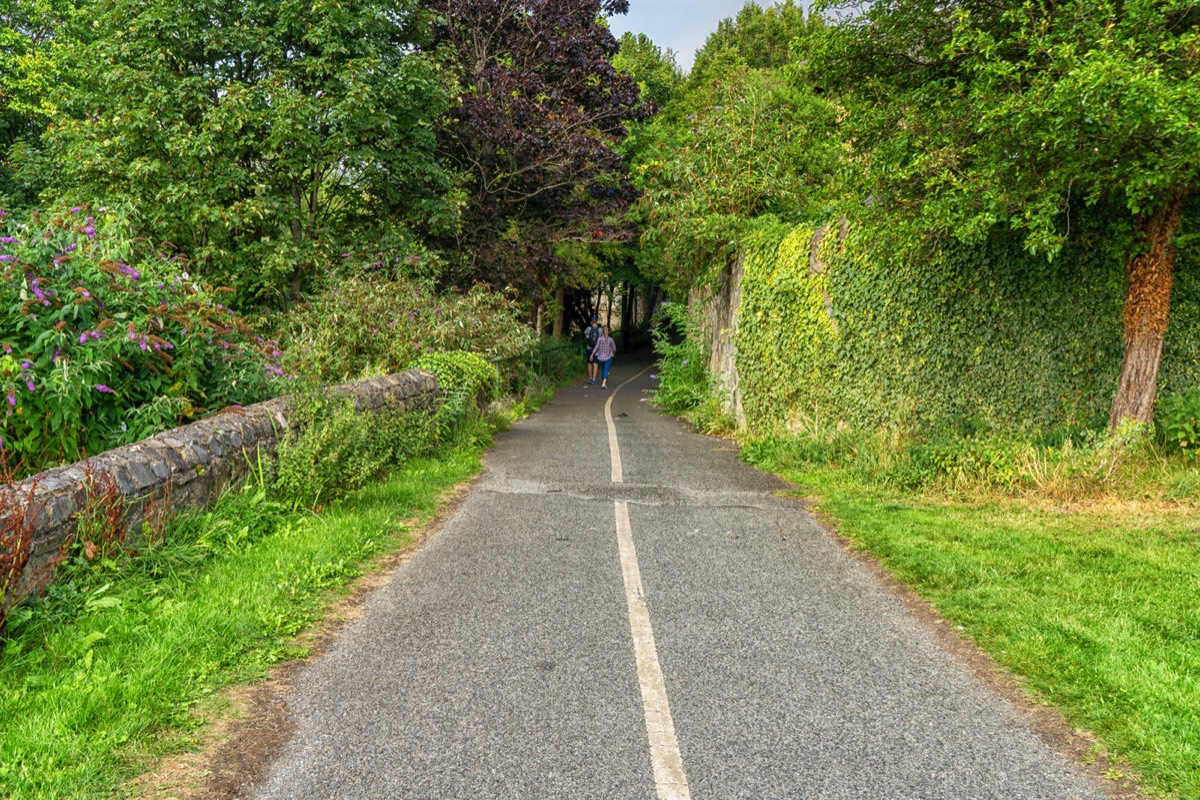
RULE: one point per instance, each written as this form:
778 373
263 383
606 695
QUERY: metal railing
551 359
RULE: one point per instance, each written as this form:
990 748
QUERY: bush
685 385
1178 419
104 341
371 325
466 381
337 451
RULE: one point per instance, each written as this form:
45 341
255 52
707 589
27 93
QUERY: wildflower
88 220
90 231
9 239
76 209
26 365
12 397
54 356
83 337
29 384
100 387
7 257
71 248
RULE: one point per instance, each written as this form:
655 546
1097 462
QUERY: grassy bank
106 672
1091 603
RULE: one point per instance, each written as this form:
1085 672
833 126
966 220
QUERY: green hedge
964 337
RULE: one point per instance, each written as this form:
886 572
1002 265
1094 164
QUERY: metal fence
551 359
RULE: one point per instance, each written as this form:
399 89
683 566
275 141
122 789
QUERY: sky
681 25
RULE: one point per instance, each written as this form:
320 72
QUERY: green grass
1096 610
100 677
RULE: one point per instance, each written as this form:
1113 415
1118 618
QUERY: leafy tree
261 138
656 71
751 144
31 36
973 114
758 37
533 136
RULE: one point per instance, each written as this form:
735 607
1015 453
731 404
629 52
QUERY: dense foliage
534 133
970 115
104 341
260 138
373 325
892 186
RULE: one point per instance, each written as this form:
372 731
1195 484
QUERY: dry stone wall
192 464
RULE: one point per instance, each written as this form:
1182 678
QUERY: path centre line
669 777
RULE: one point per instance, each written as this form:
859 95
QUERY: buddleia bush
104 340
373 325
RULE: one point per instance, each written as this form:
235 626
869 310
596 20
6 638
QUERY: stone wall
192 464
718 314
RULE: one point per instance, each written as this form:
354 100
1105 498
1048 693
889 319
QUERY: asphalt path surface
500 661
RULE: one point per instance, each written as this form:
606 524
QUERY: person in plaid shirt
603 354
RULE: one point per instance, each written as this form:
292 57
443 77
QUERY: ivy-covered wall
846 329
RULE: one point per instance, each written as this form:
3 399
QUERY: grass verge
105 674
1094 607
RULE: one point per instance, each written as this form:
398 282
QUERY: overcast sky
681 25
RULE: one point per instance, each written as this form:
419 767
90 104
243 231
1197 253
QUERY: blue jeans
604 365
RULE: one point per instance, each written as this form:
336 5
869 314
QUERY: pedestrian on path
603 354
591 335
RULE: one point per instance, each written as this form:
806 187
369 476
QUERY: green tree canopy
969 114
261 138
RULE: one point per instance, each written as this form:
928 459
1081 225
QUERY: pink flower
100 387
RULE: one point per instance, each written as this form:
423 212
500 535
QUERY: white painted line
614 449
669 777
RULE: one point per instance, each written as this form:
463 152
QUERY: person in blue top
591 335
602 354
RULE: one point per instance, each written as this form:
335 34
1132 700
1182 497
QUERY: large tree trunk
1151 272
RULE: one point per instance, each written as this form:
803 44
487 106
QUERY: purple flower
100 387
3 213
12 397
88 220
26 365
76 209
8 239
275 370
71 248
29 384
83 337
7 257
90 231
54 356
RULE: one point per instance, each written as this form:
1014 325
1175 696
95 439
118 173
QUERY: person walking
591 335
602 354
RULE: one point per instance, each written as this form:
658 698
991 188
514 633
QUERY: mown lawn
1096 609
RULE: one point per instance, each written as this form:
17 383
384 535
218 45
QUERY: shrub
104 341
685 385
372 325
466 382
1178 419
336 451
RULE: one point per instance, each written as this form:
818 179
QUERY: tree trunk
560 318
1151 272
627 300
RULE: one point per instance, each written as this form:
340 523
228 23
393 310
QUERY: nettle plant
104 340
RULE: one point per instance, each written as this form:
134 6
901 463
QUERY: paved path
658 626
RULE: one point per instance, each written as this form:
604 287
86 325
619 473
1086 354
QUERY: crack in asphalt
641 494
